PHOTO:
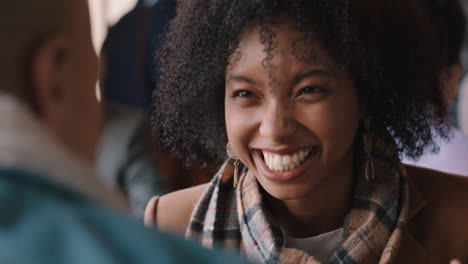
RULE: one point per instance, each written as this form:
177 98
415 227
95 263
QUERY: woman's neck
321 211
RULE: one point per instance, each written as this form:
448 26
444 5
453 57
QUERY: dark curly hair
387 45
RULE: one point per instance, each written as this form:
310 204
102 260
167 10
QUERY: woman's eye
311 90
244 94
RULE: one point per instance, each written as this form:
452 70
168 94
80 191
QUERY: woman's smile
287 164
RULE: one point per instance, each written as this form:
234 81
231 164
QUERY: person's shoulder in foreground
47 223
437 216
54 208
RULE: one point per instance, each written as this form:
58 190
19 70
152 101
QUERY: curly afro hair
388 46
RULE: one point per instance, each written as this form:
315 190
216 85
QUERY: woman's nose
278 124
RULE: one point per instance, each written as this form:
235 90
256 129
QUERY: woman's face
292 124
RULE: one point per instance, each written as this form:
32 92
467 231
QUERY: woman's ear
50 73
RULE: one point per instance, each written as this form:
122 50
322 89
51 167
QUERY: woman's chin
287 195
288 190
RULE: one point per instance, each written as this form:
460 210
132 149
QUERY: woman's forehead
278 46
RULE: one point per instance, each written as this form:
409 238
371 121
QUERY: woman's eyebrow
240 78
301 76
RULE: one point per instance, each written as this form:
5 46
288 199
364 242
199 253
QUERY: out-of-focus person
127 155
129 77
126 158
463 97
129 49
54 208
463 106
449 23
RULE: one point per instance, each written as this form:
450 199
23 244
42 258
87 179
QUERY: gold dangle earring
367 140
233 157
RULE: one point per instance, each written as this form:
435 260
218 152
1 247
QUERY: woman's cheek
334 125
240 125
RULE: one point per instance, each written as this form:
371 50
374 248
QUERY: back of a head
24 24
48 64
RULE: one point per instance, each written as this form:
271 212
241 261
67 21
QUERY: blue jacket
43 222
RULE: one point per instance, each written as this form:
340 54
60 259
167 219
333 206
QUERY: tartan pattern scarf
236 218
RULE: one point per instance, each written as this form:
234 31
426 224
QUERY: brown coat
437 229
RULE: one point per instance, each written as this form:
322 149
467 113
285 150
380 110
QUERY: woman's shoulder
172 211
439 185
443 214
440 190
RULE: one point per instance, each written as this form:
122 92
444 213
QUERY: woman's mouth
282 167
277 162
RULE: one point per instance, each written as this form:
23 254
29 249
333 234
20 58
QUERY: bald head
24 24
48 62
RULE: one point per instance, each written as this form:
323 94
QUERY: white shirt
321 247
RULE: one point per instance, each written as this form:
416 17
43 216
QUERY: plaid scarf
234 218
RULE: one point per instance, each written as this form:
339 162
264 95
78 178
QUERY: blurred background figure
129 51
449 23
128 158
463 106
463 98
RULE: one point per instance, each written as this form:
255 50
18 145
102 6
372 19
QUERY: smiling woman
291 111
315 100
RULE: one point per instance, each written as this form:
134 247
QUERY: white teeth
278 162
295 159
287 162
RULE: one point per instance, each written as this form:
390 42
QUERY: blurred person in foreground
449 24
53 207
